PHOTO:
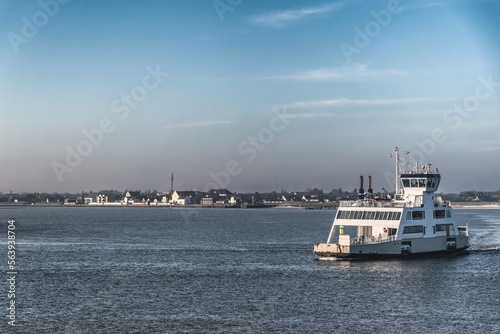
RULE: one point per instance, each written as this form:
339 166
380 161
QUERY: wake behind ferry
413 222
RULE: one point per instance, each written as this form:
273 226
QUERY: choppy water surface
149 270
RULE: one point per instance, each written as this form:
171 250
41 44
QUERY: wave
486 249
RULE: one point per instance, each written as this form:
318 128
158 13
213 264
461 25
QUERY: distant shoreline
485 206
295 206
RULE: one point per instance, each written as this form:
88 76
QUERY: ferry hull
376 256
410 248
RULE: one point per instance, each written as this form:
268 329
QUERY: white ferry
413 222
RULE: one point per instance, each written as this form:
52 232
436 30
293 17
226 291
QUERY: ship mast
398 172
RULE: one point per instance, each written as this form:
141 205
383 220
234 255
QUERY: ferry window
392 231
448 214
413 229
372 215
406 183
414 183
421 183
398 215
408 215
439 214
429 182
377 216
357 214
444 227
386 214
416 215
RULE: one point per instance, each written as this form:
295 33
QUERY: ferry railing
372 240
463 230
373 204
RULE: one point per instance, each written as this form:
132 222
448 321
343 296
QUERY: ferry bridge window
408 215
429 182
414 183
439 214
406 183
413 229
421 183
448 214
416 215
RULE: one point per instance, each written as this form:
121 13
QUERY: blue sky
349 79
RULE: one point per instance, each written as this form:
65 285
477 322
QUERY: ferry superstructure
413 222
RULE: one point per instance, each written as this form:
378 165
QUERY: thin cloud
488 145
282 18
310 115
360 102
196 124
347 72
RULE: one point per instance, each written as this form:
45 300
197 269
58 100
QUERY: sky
246 95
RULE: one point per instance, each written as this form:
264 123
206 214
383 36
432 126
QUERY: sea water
161 270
